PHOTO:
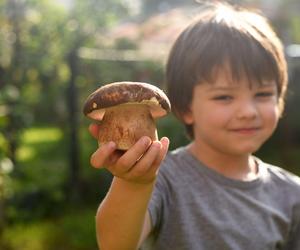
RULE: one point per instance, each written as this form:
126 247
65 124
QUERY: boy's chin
248 150
244 149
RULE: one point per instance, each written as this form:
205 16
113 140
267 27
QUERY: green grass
39 142
44 134
42 165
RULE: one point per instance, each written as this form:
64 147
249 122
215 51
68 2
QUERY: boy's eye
265 94
223 98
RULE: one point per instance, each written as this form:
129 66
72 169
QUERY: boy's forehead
225 77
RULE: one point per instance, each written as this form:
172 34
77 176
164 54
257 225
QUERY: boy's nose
247 110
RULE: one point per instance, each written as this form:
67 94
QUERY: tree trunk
15 75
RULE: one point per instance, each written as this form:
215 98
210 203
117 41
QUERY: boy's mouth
246 131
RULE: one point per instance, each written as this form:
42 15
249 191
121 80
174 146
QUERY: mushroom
127 111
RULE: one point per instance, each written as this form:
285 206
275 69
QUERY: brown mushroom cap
118 93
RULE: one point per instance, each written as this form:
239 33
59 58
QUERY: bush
75 231
34 236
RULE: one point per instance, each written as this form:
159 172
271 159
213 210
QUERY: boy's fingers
128 160
146 162
163 151
94 130
165 146
143 158
102 154
114 157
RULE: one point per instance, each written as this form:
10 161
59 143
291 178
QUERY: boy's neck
239 167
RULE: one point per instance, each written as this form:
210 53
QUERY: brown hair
224 35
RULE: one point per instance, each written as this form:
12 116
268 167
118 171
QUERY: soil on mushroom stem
125 124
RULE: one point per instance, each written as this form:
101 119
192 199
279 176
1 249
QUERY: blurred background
53 54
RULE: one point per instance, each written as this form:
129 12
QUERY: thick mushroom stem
125 124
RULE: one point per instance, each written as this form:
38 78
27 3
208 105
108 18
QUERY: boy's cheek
273 113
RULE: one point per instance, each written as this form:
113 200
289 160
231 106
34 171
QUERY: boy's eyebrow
222 88
233 87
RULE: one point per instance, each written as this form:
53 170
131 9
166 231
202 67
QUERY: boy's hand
139 164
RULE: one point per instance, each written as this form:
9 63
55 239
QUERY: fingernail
111 144
156 144
93 160
144 140
166 139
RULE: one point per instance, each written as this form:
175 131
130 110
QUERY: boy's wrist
132 185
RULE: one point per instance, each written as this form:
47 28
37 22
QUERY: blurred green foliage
73 231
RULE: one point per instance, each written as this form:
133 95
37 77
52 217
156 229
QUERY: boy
227 78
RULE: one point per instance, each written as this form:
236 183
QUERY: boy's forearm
121 215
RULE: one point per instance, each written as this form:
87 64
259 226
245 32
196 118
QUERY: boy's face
233 118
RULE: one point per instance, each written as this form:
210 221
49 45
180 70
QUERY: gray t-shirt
196 208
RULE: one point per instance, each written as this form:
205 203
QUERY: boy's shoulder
282 176
179 165
179 162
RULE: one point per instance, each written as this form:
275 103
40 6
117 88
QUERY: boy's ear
187 117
